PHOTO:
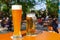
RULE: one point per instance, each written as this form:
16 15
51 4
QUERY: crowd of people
51 23
5 22
47 21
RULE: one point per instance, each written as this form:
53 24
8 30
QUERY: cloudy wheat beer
17 16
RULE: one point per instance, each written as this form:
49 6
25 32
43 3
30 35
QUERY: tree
26 5
52 7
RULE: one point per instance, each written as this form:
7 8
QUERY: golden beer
17 16
30 26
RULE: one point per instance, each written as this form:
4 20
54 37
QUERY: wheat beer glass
17 16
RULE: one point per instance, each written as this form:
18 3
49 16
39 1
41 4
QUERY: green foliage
52 8
6 5
4 8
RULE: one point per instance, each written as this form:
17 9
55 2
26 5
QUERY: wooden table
41 36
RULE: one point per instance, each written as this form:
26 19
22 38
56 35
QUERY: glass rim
16 7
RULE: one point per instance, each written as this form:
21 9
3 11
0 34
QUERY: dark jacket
54 24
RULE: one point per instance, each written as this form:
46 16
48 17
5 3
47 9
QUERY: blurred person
59 25
46 18
59 28
0 23
50 28
55 25
6 23
42 20
39 21
34 15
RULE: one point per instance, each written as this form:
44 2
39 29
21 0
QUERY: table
41 36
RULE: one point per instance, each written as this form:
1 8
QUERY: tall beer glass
17 16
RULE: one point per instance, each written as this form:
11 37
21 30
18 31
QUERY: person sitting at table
55 25
40 20
6 23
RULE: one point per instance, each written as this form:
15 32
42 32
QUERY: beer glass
17 16
30 24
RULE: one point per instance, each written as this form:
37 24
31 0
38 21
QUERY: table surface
41 36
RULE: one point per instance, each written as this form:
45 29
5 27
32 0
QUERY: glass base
14 37
32 35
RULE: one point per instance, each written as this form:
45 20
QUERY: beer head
30 15
16 7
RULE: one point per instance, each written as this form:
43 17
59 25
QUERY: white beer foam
16 7
31 15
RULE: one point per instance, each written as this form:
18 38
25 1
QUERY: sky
40 5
